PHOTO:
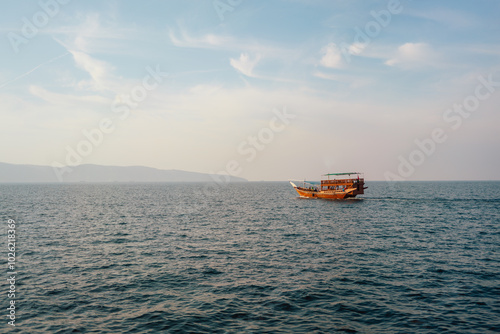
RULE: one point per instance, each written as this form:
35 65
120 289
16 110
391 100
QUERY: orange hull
323 194
333 189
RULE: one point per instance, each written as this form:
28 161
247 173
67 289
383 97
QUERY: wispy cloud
335 56
245 64
331 56
93 34
447 17
67 99
208 41
352 80
251 53
327 76
228 43
99 71
413 55
33 70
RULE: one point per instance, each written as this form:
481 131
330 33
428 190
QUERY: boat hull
324 194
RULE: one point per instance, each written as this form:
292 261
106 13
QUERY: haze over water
414 257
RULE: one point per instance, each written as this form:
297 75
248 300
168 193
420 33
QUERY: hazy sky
266 90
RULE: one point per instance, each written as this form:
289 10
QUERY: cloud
92 34
357 48
327 76
448 17
245 65
87 33
100 72
336 56
33 70
209 41
412 54
228 43
332 57
87 102
352 80
96 68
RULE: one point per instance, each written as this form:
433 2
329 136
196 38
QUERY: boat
334 186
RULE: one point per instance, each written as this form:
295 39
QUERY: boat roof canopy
337 174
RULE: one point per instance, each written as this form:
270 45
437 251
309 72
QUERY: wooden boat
335 186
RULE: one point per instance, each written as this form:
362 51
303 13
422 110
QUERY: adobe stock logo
453 116
94 137
371 30
248 150
30 28
253 144
223 6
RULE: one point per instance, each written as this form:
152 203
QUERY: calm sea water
415 257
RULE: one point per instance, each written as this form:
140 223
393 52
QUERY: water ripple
414 257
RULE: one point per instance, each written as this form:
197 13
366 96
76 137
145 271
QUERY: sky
264 90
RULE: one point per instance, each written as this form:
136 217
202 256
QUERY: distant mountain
95 173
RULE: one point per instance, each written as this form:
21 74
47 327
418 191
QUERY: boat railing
341 181
307 185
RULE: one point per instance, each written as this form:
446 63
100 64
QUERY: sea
406 257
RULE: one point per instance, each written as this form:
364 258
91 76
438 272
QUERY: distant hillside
96 173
